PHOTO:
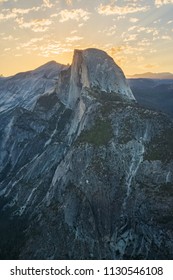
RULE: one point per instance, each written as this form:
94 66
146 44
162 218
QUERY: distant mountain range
149 75
155 94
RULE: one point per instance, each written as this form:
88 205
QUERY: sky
138 34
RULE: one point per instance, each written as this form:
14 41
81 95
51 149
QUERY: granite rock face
92 69
85 172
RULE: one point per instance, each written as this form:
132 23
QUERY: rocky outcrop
94 69
85 172
24 89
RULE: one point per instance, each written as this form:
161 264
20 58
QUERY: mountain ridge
86 176
150 75
155 94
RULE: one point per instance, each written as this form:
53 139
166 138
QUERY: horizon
136 34
127 75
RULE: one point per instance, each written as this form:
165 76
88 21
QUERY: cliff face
93 69
85 172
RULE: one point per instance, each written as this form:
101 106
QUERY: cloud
149 66
133 28
140 58
73 31
133 50
74 14
36 25
14 13
47 3
4 17
160 3
109 31
134 20
124 49
53 48
166 37
69 2
73 39
144 42
80 24
24 11
40 28
31 44
116 50
132 1
54 15
9 38
43 46
119 10
130 37
7 49
147 30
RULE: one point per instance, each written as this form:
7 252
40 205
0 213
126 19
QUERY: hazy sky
136 33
